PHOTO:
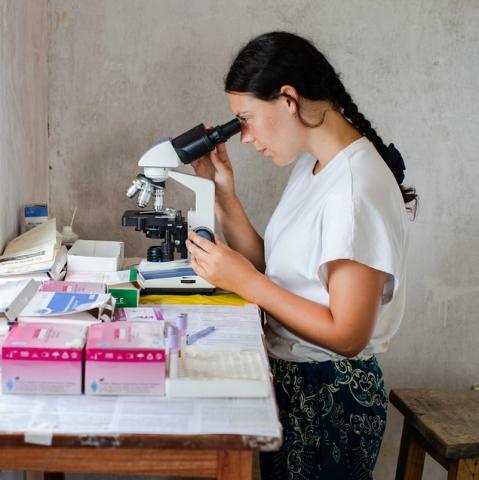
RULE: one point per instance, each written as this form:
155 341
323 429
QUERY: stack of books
37 253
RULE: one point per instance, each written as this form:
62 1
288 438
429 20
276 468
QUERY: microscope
167 268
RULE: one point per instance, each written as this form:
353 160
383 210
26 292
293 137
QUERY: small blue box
33 215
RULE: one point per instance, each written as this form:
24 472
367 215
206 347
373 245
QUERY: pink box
125 358
43 358
72 287
3 336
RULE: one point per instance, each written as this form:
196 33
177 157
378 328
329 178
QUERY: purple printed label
43 354
130 356
138 314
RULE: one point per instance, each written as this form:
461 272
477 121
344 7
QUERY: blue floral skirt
333 416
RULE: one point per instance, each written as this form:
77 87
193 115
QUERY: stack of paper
36 251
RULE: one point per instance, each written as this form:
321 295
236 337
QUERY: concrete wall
124 73
23 116
23 110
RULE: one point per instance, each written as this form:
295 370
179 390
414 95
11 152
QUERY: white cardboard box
14 296
60 307
95 256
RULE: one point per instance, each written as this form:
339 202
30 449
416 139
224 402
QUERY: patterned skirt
333 416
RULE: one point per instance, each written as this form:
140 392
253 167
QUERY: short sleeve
361 230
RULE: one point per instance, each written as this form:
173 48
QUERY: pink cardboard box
72 287
3 336
125 358
43 358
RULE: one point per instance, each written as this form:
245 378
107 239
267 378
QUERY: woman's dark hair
274 59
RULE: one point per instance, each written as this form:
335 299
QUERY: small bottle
69 237
182 324
173 346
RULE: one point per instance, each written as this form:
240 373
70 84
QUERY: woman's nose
245 135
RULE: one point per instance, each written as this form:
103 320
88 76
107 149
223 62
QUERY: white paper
158 415
235 326
248 417
87 415
230 319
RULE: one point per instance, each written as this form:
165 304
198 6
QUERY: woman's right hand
216 166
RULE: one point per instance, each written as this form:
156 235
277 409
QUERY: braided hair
274 59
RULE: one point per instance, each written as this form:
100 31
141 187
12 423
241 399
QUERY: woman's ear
291 97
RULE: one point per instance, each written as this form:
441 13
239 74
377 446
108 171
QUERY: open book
35 251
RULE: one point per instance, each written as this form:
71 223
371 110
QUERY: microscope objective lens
158 203
144 198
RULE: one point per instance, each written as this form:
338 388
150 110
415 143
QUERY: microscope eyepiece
222 133
198 141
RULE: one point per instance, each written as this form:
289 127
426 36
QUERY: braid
390 154
358 120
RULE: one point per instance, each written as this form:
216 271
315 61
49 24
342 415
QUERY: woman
330 271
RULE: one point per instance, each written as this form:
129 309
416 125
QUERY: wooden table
443 423
225 457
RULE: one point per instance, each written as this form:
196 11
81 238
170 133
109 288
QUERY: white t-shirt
352 209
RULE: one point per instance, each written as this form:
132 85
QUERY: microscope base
171 277
176 291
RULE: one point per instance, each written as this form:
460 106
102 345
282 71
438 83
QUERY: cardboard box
73 308
125 294
108 278
95 256
43 359
33 215
3 336
14 297
72 287
125 358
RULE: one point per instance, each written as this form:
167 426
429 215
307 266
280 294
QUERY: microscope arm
204 213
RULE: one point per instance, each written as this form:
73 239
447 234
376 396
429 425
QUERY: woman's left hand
220 265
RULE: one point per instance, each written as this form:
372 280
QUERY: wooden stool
443 423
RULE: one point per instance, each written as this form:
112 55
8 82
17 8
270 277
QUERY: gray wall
23 116
125 72
23 110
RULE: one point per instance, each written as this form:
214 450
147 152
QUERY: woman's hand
220 265
216 166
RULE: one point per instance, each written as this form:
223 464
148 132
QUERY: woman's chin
282 161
